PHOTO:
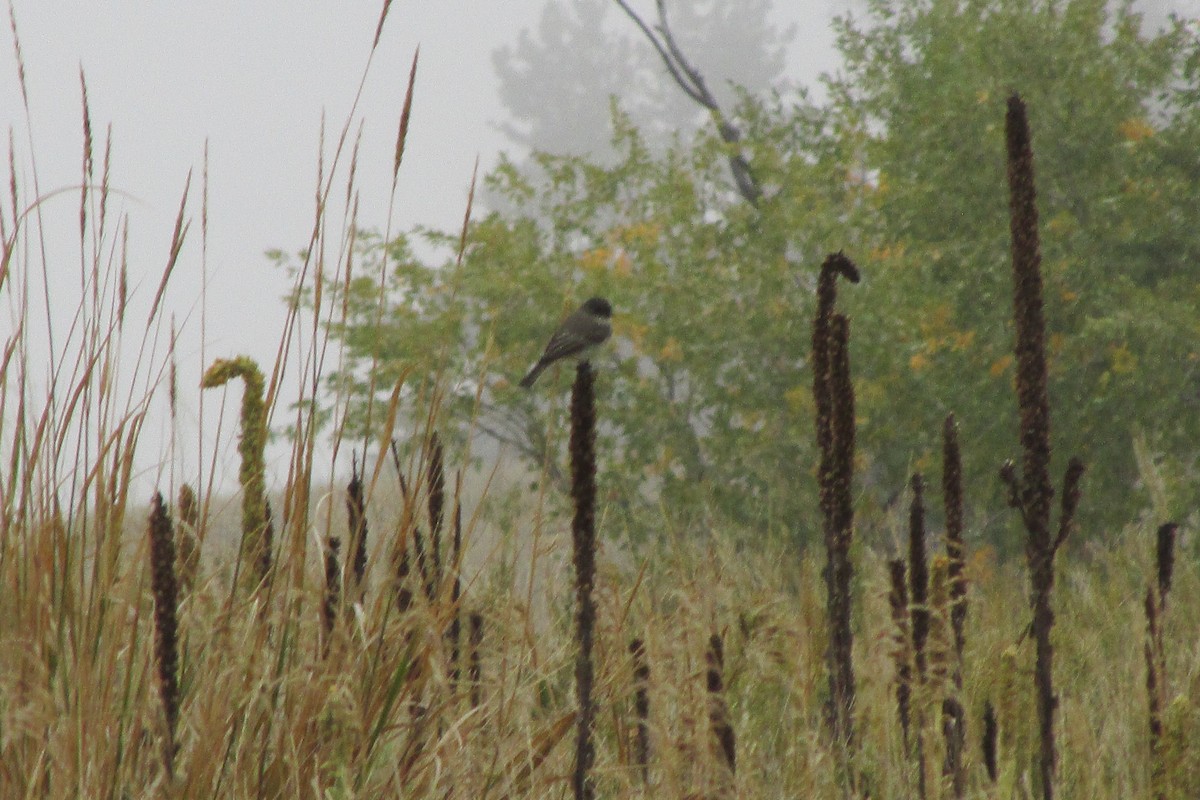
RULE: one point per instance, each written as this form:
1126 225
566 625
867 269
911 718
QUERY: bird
584 329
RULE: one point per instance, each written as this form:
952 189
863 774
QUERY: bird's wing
577 332
564 344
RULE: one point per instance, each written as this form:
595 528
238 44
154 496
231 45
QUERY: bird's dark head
599 306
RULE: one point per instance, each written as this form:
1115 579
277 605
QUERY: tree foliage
706 393
1111 106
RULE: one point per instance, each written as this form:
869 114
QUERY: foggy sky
252 80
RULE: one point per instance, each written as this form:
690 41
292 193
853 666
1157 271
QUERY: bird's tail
528 380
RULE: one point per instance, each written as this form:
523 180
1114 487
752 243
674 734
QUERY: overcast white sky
253 80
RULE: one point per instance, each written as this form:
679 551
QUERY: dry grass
299 688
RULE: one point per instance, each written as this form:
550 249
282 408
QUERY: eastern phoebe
585 329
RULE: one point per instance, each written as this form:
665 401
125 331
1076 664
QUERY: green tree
1111 106
706 390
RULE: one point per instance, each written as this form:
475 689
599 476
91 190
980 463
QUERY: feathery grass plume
437 512
1031 493
718 714
356 518
474 657
251 443
88 164
178 236
387 4
641 708
583 536
902 641
173 380
989 741
333 591
406 111
105 177
123 278
188 558
833 397
166 631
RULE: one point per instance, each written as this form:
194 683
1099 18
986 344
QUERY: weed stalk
833 396
583 531
1031 492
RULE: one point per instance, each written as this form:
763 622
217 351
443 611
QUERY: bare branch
691 81
662 52
693 74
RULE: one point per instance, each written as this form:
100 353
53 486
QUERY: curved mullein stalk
833 395
251 444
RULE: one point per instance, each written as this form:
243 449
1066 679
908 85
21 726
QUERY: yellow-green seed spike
251 445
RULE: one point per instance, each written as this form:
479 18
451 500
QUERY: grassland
145 653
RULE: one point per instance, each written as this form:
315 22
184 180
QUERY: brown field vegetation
336 647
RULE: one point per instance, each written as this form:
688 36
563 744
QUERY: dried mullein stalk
918 576
1157 691
333 591
989 742
902 645
1165 559
952 493
166 632
833 396
1031 492
718 715
583 531
356 521
641 708
437 511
